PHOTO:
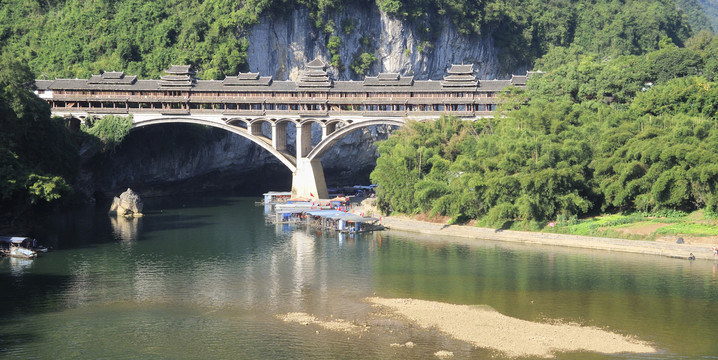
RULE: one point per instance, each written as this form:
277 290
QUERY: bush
362 63
109 130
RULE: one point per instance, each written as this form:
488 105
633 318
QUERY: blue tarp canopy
17 240
296 208
340 215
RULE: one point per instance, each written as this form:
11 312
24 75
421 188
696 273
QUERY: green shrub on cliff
108 130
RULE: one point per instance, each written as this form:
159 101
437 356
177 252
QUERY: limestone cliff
282 46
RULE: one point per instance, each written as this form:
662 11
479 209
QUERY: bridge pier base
308 181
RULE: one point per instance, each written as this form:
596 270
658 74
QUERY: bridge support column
279 136
304 140
256 129
308 181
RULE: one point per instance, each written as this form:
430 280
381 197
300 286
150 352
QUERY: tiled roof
247 79
461 69
519 80
460 76
180 76
181 69
112 77
317 63
388 79
315 76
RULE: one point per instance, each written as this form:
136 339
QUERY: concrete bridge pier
308 181
279 136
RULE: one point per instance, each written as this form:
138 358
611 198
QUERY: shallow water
206 277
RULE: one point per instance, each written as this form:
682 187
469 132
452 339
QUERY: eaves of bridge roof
274 86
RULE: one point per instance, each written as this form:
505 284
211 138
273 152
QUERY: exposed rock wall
282 46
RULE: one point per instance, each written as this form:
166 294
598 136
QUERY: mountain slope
76 38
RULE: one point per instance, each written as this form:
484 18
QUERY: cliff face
282 46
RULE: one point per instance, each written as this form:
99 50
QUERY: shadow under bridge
307 172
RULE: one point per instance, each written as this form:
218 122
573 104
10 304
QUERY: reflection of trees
125 229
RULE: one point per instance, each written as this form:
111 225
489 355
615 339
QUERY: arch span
289 163
332 139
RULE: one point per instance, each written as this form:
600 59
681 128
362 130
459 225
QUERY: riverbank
662 247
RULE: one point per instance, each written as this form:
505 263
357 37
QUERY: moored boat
21 252
20 246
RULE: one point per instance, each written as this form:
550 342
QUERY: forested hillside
592 134
696 14
710 8
76 38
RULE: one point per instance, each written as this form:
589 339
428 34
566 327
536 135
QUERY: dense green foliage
696 14
76 38
108 132
38 158
525 29
39 155
591 134
710 8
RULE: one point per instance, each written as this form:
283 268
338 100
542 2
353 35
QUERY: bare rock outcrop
281 46
128 204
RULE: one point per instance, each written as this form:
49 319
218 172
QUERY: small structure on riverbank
326 214
342 221
276 197
128 204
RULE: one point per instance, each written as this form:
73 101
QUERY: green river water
205 277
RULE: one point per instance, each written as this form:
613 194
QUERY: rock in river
128 204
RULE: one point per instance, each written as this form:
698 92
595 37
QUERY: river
207 277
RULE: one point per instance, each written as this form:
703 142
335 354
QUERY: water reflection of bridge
263 110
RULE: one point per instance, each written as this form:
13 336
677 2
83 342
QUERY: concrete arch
259 120
243 123
325 144
285 120
311 120
233 129
338 121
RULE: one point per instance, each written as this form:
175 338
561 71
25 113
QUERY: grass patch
596 226
695 229
637 225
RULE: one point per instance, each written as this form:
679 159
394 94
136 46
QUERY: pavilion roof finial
460 76
178 76
315 75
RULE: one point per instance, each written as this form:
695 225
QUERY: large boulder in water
128 204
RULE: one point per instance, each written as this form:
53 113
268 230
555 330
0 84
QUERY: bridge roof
519 80
493 85
264 84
